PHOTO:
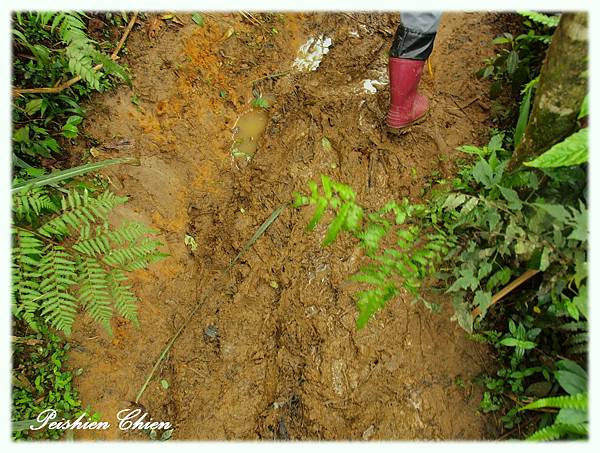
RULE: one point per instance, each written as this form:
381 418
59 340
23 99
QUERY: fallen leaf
177 20
198 19
228 34
154 26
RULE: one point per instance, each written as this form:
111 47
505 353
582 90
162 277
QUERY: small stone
368 433
211 331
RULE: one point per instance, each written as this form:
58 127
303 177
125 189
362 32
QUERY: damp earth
273 352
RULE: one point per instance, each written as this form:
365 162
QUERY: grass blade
58 176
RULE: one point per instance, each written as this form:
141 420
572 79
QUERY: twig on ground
261 230
248 16
274 75
507 289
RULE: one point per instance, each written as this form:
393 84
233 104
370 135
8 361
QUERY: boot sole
404 129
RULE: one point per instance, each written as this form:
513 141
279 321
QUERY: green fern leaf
124 299
58 272
371 301
110 67
557 431
336 226
30 204
80 210
579 401
319 211
540 18
94 291
574 326
25 275
135 256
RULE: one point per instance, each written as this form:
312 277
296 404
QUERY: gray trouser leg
425 22
415 35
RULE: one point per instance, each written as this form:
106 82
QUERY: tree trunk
562 87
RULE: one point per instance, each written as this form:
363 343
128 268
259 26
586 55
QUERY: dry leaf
177 20
228 34
154 26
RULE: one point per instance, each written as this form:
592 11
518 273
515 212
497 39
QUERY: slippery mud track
272 352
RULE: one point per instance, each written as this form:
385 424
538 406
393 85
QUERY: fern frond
111 67
540 18
557 431
578 349
80 210
93 291
371 301
124 299
579 401
574 325
30 204
135 256
81 52
101 242
58 272
26 255
577 338
80 64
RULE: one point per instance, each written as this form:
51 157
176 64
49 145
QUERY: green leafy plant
520 57
508 247
198 19
66 254
260 102
573 150
571 422
48 48
403 263
41 380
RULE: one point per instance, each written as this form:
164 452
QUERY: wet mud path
272 352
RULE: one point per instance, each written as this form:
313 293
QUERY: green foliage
40 381
573 150
198 19
517 62
66 257
66 254
485 229
260 102
50 48
540 18
403 263
571 422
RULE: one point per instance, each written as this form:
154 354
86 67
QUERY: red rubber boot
407 107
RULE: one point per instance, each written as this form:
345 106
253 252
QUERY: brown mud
273 352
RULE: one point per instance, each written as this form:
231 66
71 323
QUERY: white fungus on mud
369 86
310 54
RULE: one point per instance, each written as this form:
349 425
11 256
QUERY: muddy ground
272 352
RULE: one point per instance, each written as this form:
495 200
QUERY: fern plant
51 48
80 50
401 252
541 18
66 255
572 419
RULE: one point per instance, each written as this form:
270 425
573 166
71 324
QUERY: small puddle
247 131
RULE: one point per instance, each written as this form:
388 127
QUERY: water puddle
249 129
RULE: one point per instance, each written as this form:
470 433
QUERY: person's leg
412 45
